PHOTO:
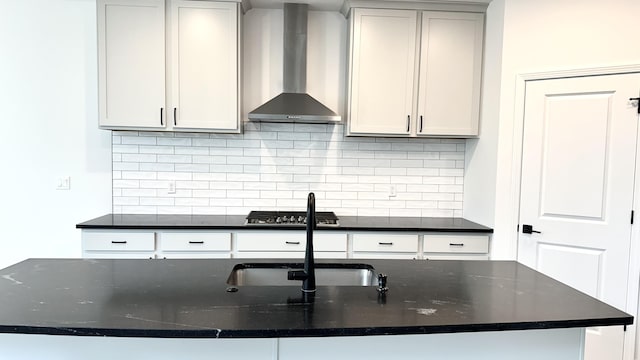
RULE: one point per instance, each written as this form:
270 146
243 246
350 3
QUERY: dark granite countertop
188 299
347 223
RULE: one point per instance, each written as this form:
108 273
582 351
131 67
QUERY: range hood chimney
294 104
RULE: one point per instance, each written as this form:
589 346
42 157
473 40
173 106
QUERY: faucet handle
382 283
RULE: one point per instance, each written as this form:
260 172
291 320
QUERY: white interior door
578 168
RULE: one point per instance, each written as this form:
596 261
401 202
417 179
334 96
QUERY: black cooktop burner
299 218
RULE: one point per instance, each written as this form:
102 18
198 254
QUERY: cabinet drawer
118 241
441 256
470 244
385 243
195 241
289 241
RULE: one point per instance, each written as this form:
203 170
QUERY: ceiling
336 5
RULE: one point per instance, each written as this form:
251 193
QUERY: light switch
64 183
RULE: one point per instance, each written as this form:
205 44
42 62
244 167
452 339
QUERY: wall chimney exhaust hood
294 104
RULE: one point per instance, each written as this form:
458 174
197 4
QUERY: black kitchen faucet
308 275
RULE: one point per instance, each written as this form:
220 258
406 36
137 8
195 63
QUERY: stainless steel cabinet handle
161 117
196 242
175 117
292 242
385 243
408 122
456 244
118 242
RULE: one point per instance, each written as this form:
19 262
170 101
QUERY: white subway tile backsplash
174 176
209 193
120 166
405 212
126 149
194 168
274 166
182 150
153 184
140 175
138 140
261 186
137 192
145 149
139 158
243 194
156 166
221 168
126 184
154 201
414 163
450 188
440 163
209 177
224 185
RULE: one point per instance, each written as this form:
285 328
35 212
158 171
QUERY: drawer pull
385 243
292 242
118 242
196 242
456 244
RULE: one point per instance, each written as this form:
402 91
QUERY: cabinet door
383 50
450 69
131 63
204 65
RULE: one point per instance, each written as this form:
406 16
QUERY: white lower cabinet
192 244
455 247
108 244
221 244
385 246
290 244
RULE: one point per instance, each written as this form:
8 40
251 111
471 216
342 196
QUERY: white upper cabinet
204 65
450 68
131 65
414 73
382 71
201 74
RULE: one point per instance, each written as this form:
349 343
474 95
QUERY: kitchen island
74 308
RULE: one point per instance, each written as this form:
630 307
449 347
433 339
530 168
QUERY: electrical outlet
64 183
171 187
392 191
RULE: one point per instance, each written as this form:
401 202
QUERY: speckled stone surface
347 223
188 299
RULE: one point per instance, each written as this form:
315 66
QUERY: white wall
542 35
48 107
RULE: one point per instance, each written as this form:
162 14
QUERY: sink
275 274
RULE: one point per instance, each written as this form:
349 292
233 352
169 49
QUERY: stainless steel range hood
294 104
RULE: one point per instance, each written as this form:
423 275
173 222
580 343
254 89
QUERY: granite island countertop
189 299
237 222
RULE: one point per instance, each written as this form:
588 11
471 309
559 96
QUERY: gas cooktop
290 218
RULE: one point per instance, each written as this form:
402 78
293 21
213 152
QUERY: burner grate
290 218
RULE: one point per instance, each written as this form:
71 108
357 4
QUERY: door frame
512 221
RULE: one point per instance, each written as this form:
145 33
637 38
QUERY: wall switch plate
64 183
171 187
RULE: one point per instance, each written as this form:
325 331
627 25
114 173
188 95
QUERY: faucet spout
308 275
